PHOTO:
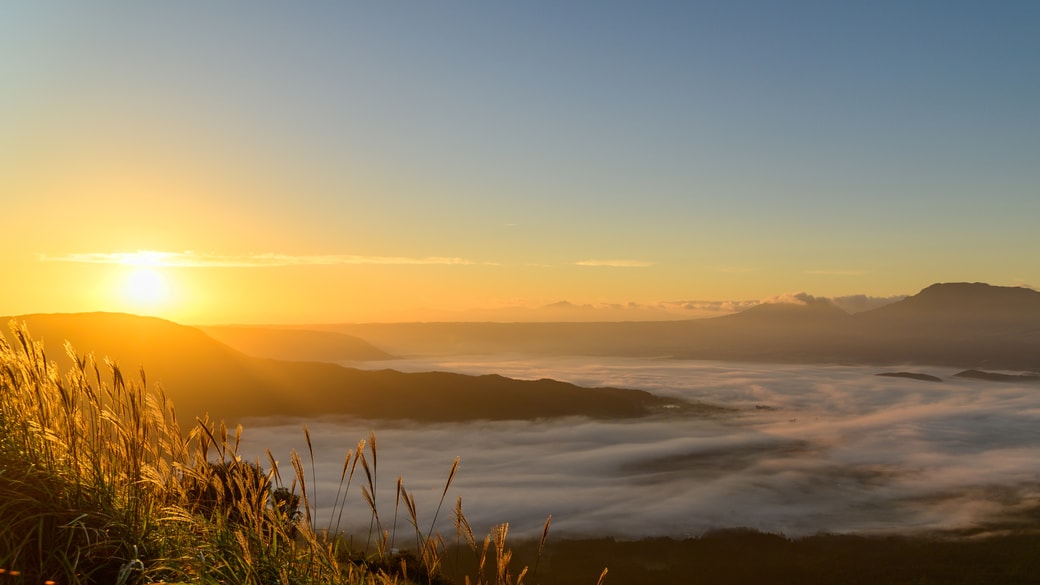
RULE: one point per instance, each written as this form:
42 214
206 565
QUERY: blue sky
722 150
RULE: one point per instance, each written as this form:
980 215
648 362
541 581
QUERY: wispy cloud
205 260
793 298
836 272
615 263
720 307
860 303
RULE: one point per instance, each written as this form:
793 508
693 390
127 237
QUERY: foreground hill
1006 555
965 325
202 375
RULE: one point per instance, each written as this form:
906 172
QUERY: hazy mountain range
630 311
236 372
965 325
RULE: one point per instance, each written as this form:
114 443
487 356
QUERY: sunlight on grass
98 484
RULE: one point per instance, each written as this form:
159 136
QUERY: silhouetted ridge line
998 377
963 301
202 375
912 376
296 344
963 325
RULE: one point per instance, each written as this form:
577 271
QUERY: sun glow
146 287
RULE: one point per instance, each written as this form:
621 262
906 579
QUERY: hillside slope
295 344
202 375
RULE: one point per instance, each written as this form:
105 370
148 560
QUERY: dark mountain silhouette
965 303
970 325
966 325
202 375
295 344
998 376
912 376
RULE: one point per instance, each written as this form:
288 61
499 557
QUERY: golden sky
276 163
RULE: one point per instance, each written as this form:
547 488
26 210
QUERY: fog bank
807 449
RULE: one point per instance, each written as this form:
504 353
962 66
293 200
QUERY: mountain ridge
994 327
203 376
963 325
295 344
969 301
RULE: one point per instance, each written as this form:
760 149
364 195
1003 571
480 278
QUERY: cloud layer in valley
807 449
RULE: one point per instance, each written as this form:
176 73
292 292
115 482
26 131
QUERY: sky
345 161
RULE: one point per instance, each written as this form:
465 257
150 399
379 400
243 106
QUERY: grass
100 484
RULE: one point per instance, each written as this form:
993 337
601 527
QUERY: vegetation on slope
98 484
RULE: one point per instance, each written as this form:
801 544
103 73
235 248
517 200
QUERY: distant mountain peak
561 305
978 288
974 293
966 301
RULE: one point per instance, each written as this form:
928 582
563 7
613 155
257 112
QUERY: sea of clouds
805 449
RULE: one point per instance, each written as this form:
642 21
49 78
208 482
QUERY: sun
146 287
143 283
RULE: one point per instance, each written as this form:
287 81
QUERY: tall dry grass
100 484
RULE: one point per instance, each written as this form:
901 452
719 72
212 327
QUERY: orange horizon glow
278 288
